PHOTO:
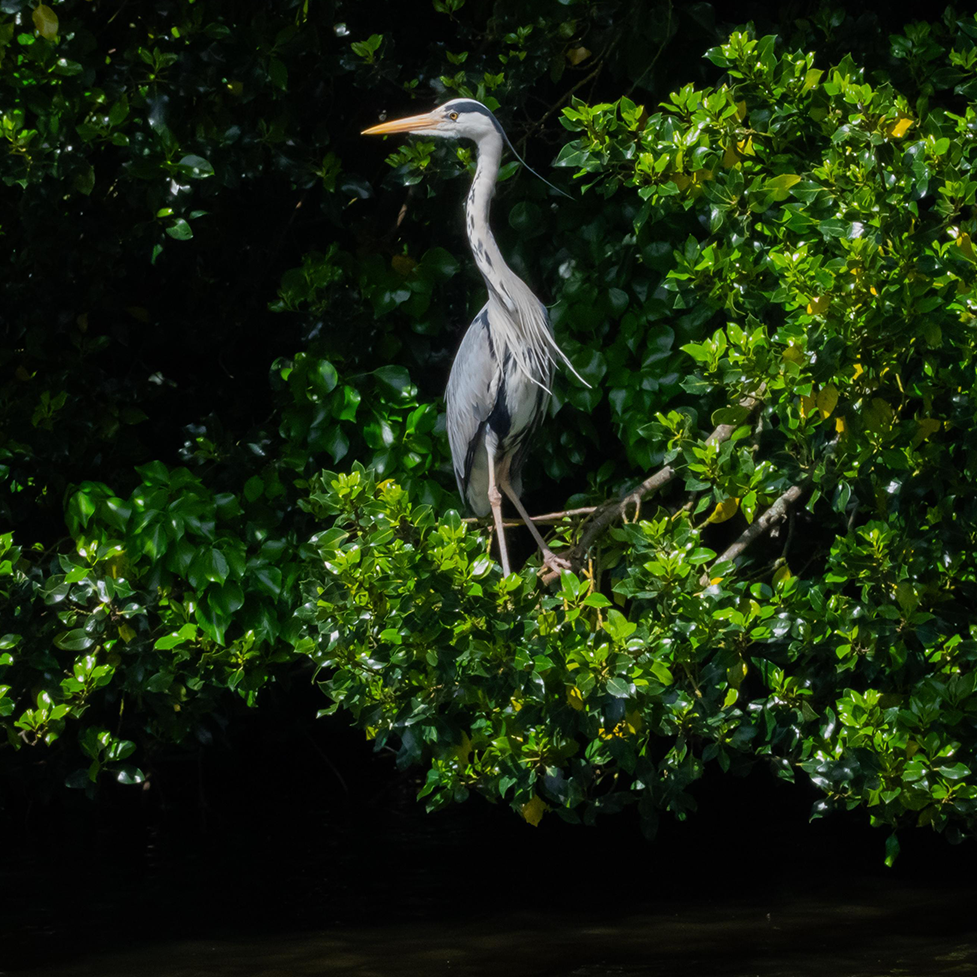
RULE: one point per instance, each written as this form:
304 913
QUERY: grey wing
473 388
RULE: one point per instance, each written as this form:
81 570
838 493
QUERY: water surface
901 930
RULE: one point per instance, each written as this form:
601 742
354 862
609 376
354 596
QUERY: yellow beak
413 122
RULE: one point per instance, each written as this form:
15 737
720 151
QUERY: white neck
486 252
525 329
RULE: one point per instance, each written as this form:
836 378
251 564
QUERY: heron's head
461 118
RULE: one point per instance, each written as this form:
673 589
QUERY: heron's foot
554 562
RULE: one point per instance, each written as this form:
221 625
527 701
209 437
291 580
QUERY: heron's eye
453 116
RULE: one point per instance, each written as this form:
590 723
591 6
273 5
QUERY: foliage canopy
778 251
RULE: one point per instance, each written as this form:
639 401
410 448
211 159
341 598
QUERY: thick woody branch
775 514
610 512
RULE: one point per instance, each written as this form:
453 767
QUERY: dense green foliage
188 205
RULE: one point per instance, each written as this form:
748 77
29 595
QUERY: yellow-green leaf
533 811
906 596
928 426
725 510
45 21
781 576
577 55
736 673
878 415
811 79
634 721
783 182
827 400
463 751
900 127
402 264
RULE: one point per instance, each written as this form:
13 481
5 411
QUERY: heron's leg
553 561
495 501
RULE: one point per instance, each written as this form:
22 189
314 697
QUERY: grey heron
499 385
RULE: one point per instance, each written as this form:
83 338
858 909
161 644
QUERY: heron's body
499 385
499 419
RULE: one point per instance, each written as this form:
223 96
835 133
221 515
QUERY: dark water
902 930
307 869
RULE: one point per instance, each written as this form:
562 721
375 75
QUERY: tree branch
546 517
776 513
611 512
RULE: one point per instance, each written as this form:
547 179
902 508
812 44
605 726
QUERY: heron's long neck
524 332
487 255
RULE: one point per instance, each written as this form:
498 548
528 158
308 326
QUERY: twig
332 766
590 76
666 37
566 95
776 513
547 517
791 525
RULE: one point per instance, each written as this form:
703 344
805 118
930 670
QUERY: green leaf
119 111
227 599
211 619
186 633
957 772
326 376
207 565
367 49
618 626
395 382
81 508
180 230
278 74
129 774
78 639
439 264
195 167
891 849
268 579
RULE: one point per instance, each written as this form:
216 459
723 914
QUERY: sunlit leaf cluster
765 273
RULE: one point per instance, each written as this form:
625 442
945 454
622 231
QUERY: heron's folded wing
473 388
